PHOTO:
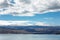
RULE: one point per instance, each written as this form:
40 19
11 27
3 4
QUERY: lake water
29 37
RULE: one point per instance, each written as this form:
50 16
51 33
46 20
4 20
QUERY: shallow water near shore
29 37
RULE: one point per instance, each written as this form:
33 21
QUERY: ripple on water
28 37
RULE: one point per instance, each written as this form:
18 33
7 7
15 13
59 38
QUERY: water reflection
28 37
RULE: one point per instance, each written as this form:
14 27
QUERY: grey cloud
4 4
34 7
26 1
54 5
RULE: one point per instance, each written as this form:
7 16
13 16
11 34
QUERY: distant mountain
30 29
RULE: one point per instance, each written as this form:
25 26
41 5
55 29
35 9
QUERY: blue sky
52 18
31 10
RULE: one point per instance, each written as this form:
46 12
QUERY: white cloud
21 23
49 18
14 23
41 24
1 1
29 7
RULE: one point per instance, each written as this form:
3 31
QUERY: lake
29 37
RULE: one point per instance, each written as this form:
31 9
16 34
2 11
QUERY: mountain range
29 29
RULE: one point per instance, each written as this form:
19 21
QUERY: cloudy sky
30 12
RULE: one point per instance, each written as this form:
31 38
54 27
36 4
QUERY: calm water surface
28 37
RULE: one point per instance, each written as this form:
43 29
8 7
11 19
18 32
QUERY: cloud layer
28 7
22 23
